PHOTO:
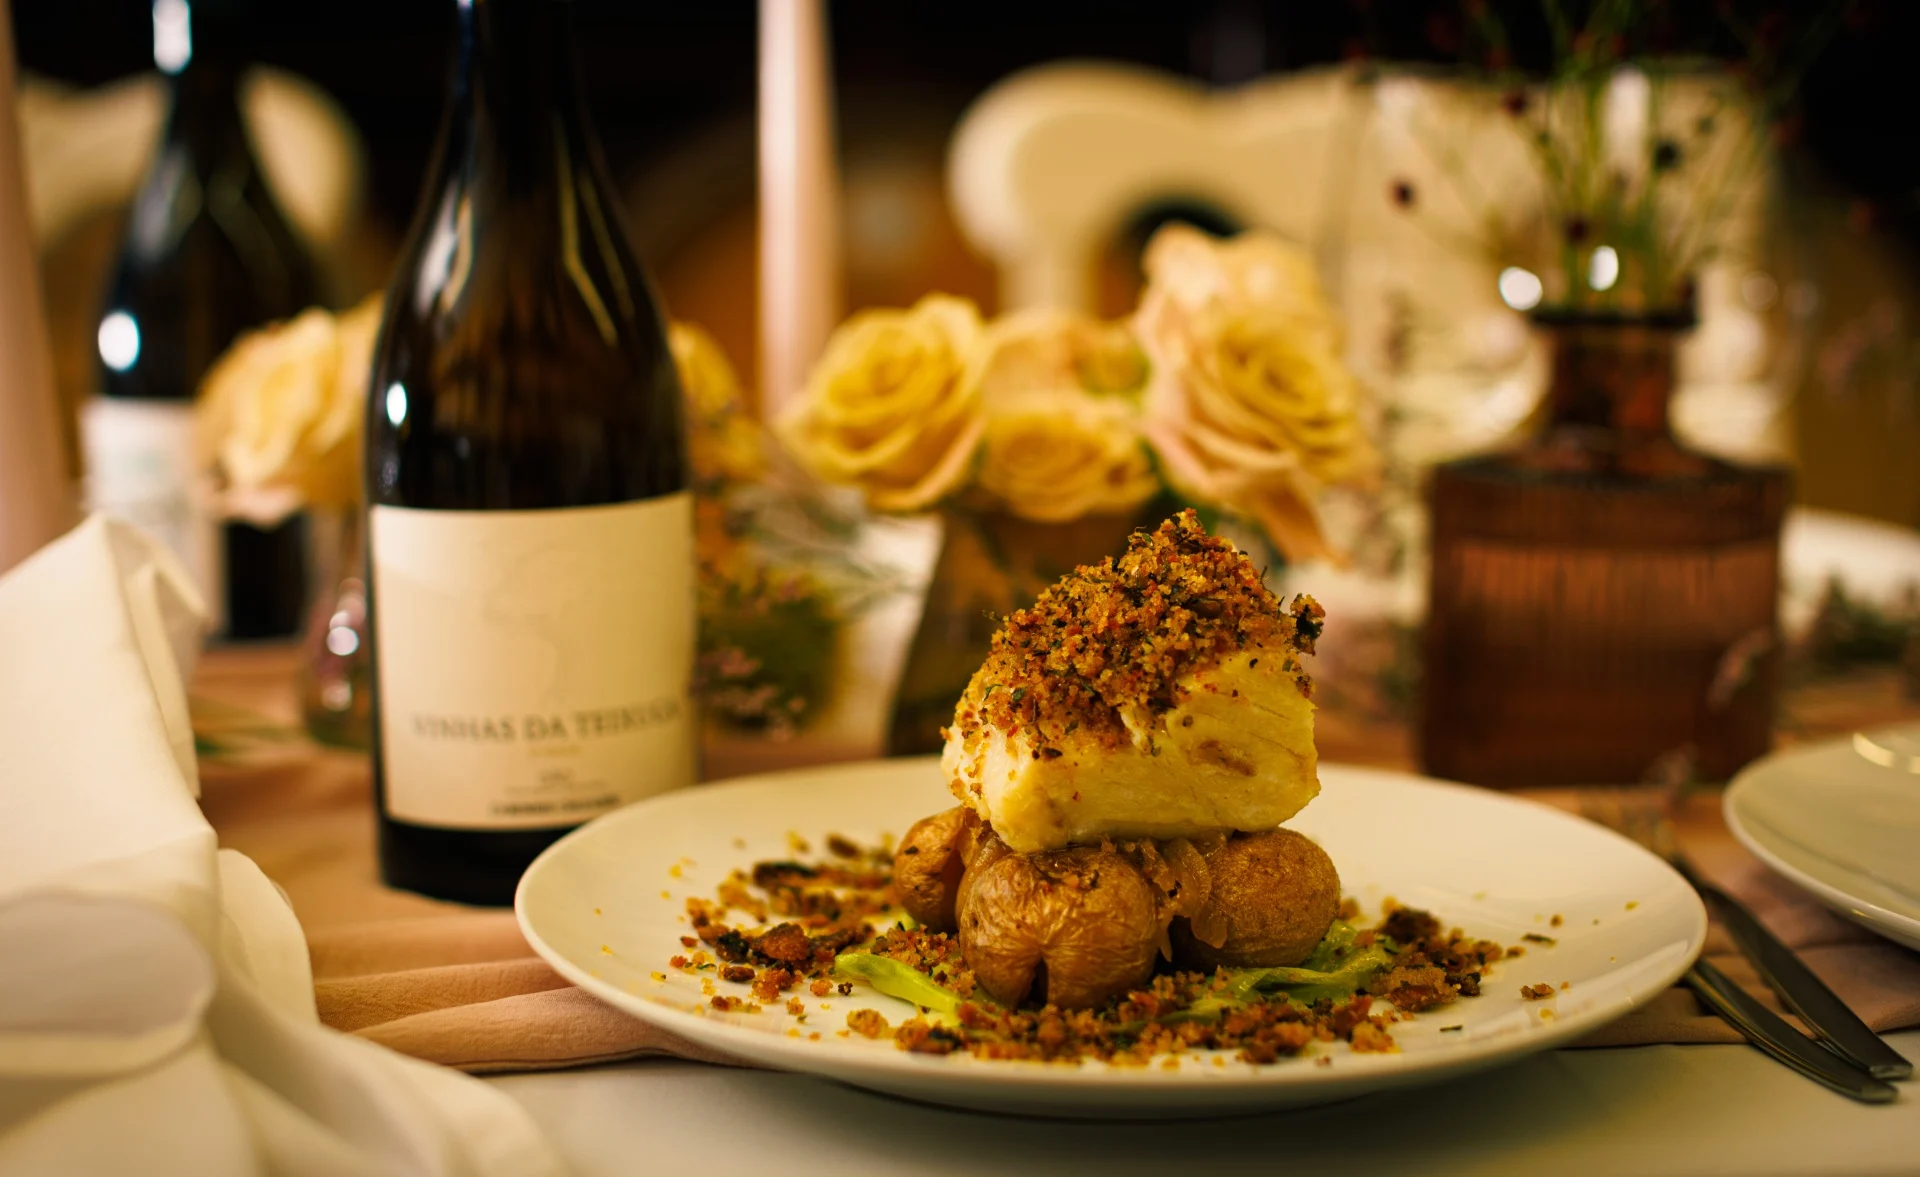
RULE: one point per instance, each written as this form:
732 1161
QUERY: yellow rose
723 443
1249 404
1188 271
1043 348
1055 456
279 416
1258 416
1063 434
893 407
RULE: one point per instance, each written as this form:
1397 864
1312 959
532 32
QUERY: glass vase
990 564
335 678
1602 598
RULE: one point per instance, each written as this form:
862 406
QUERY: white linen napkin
156 1002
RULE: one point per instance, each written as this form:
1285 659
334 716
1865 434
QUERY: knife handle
1766 1030
1803 992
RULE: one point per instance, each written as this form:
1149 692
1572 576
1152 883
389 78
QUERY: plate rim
1875 917
886 1071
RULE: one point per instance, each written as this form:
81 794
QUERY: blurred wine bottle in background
530 525
207 255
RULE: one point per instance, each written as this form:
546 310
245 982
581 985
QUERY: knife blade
1768 1031
1800 990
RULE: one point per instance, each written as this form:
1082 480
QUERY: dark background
672 90
663 76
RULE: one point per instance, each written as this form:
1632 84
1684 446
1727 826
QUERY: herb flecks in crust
1119 637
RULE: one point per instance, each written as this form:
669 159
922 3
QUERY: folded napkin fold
157 1009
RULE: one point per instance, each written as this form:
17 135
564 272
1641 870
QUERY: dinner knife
1838 1027
1768 1031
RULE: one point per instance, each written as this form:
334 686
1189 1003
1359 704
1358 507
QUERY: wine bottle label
141 469
534 666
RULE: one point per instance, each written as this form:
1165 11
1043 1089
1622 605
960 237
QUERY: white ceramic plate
605 906
1841 819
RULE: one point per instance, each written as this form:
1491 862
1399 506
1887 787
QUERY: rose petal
892 405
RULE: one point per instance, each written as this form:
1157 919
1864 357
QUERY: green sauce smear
1336 969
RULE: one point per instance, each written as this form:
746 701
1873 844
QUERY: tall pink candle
799 197
36 489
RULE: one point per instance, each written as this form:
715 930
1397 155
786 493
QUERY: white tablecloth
1652 1110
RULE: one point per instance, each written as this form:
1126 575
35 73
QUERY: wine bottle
530 527
208 254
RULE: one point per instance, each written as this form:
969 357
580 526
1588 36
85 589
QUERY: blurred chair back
87 149
1052 164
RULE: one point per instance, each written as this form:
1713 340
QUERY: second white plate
605 906
1840 819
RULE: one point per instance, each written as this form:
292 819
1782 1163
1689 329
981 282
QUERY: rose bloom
1189 271
1055 456
279 416
1249 404
1063 432
893 407
1044 349
723 443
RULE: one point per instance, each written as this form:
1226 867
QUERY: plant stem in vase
1602 597
991 563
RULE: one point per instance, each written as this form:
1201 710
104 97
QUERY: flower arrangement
771 604
1225 387
1643 158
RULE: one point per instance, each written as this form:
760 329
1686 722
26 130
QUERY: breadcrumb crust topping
1118 636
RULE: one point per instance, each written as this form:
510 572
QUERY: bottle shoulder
526 271
196 221
522 364
186 300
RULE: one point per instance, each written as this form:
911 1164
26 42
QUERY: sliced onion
1146 855
1210 926
1193 882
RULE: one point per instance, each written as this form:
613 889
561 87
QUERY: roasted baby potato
928 864
1070 927
1273 896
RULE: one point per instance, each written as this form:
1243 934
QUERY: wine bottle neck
517 77
208 86
205 114
199 45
